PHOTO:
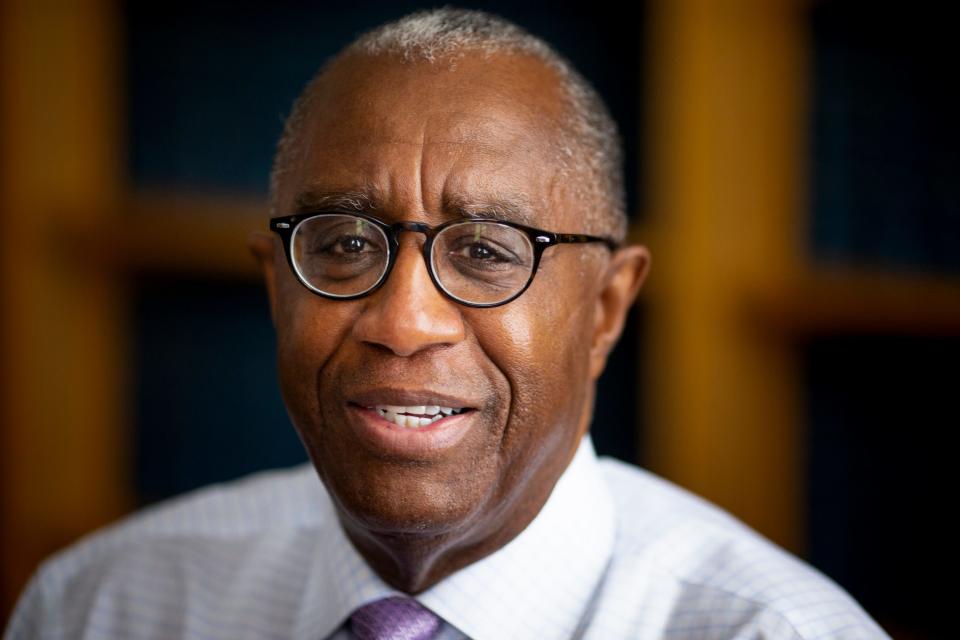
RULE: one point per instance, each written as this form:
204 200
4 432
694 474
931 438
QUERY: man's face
421 141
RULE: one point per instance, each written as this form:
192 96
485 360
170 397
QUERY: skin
420 136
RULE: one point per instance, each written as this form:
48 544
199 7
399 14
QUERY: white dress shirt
616 552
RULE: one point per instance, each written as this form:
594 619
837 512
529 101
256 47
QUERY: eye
483 252
484 246
348 244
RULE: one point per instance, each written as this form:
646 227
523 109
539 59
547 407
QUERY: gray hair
589 144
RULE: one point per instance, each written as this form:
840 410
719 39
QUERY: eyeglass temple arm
579 237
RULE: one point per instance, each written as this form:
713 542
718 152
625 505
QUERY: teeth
416 416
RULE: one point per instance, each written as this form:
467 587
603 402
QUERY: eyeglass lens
476 262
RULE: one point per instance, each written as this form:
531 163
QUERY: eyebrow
509 208
365 201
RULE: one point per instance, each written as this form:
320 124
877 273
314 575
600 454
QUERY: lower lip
388 437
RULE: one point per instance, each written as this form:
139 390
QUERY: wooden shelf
839 300
175 233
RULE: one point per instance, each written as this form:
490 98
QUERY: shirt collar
537 585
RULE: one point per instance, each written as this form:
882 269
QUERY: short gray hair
589 144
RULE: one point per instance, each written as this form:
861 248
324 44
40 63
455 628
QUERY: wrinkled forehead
479 124
471 86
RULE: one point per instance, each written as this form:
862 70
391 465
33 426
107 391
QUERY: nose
408 314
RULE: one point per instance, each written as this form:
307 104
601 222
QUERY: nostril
380 348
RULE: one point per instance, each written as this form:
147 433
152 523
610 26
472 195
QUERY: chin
400 499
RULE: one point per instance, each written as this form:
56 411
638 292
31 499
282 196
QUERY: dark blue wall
881 408
886 136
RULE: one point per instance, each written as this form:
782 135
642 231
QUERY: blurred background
792 165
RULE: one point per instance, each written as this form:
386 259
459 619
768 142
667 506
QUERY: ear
262 246
620 284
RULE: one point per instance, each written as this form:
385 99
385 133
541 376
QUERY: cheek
307 336
540 342
548 328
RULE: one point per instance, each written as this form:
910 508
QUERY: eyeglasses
476 262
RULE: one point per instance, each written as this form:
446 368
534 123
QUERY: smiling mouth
415 417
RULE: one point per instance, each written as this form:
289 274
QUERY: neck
413 563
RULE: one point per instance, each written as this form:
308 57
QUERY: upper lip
411 398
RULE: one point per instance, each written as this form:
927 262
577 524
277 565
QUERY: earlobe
621 282
262 248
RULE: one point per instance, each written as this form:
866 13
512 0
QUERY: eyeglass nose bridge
430 233
415 227
409 225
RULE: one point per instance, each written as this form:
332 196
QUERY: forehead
425 136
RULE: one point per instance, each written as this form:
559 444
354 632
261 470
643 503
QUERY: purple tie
394 618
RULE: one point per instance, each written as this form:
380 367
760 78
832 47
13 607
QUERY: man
446 279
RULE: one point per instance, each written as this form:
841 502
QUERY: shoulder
699 568
239 509
198 543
